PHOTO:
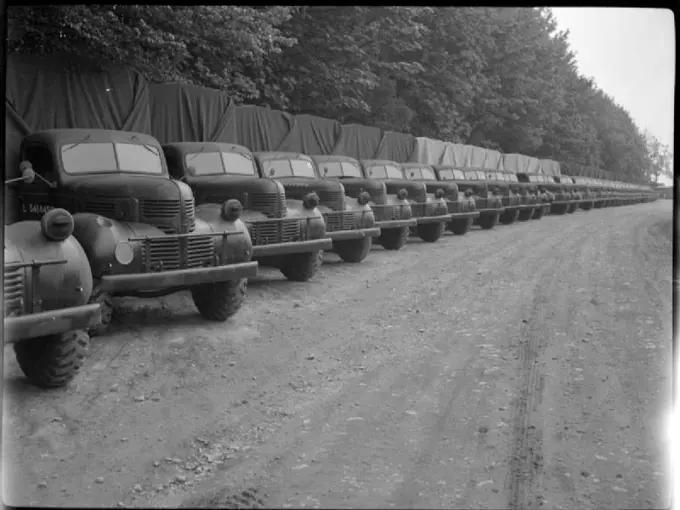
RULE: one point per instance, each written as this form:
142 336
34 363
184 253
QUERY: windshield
421 173
275 168
339 169
384 172
107 157
351 170
451 175
533 178
214 163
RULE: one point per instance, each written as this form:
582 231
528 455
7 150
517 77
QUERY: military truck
583 185
570 192
350 223
429 209
562 198
286 235
535 186
489 206
141 233
528 202
462 209
392 215
47 286
497 185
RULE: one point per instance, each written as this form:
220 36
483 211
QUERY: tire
488 222
431 232
461 227
220 300
394 238
572 208
525 215
52 361
538 213
354 250
106 302
301 267
509 218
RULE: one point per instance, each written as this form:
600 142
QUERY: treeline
500 78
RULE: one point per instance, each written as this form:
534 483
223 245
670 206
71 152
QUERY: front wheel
394 239
106 306
301 267
461 227
219 301
431 232
52 361
538 213
525 214
354 250
509 217
488 222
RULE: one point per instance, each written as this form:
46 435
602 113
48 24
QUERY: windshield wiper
74 145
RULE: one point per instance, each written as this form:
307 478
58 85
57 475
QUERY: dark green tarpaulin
395 146
357 141
311 135
60 92
261 129
189 113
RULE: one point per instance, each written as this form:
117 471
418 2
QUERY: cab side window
42 161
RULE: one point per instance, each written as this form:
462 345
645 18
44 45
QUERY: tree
660 158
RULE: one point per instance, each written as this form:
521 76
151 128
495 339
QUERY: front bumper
272 250
426 220
464 215
347 235
178 278
51 322
388 224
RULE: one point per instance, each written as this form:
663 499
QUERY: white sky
630 53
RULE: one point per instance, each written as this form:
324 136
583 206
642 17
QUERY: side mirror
271 172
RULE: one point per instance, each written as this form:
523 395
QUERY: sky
630 53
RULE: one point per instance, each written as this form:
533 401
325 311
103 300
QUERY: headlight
310 201
402 194
439 193
57 224
232 210
363 198
124 253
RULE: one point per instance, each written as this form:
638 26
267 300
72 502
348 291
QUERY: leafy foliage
502 78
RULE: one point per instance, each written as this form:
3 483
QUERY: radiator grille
275 231
386 212
271 204
106 208
174 253
332 199
337 221
14 291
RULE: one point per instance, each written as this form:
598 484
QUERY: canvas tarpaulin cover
62 91
550 167
357 141
428 151
455 154
475 156
261 129
517 163
189 113
395 146
311 135
493 160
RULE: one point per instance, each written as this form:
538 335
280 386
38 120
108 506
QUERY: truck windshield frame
420 173
220 163
85 158
277 168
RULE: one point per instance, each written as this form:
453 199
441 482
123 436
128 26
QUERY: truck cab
489 205
392 215
287 236
429 209
140 230
462 209
47 286
350 223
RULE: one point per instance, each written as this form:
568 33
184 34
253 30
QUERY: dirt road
524 367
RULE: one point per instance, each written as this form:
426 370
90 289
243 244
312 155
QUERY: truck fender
232 248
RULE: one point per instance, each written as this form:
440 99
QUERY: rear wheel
394 238
301 267
219 301
461 227
431 232
354 250
52 361
489 221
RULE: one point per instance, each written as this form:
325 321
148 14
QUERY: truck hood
143 187
415 189
355 185
217 189
450 188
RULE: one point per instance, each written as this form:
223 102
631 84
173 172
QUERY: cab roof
380 162
188 147
54 136
281 155
333 157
